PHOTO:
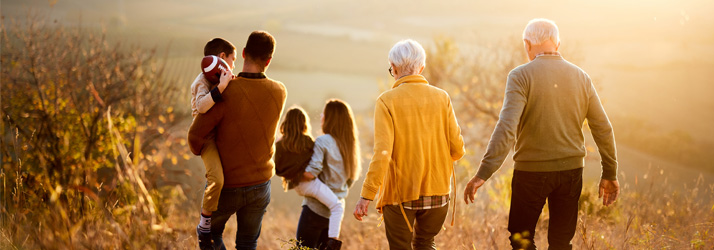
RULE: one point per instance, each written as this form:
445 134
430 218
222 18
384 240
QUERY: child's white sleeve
205 97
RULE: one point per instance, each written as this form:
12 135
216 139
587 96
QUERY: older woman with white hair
547 100
416 141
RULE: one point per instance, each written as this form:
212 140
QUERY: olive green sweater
546 103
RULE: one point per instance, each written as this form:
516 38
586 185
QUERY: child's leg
318 190
214 176
214 184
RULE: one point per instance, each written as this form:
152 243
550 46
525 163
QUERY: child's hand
307 176
226 77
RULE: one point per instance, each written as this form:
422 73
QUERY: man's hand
226 76
608 191
471 188
361 208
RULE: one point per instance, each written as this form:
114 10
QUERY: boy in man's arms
204 94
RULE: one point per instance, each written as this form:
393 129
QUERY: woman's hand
306 176
361 208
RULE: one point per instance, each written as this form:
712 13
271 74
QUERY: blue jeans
248 204
312 229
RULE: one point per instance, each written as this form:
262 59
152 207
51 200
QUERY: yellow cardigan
416 141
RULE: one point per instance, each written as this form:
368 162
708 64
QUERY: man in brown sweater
245 118
547 100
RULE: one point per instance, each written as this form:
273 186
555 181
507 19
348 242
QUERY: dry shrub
89 127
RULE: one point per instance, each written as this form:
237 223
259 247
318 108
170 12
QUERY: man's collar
554 53
410 79
260 75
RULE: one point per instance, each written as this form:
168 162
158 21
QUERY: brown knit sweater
291 165
245 122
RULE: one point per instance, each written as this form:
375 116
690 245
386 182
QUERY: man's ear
267 62
527 44
557 46
222 55
421 69
243 53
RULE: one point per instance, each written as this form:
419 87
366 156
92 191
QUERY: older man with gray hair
416 141
547 101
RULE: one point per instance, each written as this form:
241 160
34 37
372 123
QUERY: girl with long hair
324 178
294 149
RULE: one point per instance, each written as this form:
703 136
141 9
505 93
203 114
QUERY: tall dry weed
89 127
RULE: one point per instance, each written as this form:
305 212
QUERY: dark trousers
530 190
312 229
248 204
426 224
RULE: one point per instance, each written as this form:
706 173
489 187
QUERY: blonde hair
540 30
340 124
296 131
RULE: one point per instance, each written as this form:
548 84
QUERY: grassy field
673 218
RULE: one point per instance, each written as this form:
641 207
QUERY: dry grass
88 129
649 215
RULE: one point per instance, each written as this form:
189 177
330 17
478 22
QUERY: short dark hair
260 46
218 45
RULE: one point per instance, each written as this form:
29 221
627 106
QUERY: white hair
408 56
540 30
